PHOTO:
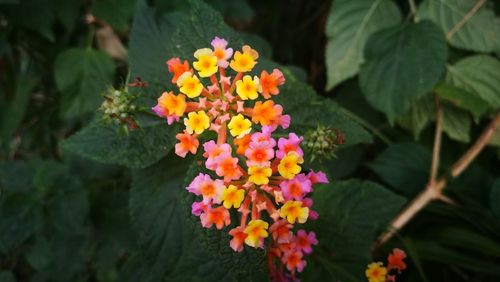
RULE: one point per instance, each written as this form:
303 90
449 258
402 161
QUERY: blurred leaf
456 123
116 13
81 76
462 99
68 12
495 198
405 167
479 74
479 33
352 213
34 15
7 276
349 25
138 148
235 10
398 68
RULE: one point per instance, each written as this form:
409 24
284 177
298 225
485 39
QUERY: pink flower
305 241
280 231
296 188
221 52
211 190
218 216
293 260
308 202
259 153
198 207
288 145
213 152
161 113
228 168
187 143
317 177
239 237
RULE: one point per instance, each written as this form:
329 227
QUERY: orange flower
242 143
395 260
177 68
269 83
218 216
187 143
266 113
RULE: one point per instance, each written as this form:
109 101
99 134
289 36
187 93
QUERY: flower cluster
377 272
118 108
249 171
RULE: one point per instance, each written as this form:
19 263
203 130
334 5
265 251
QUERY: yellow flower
256 231
293 210
190 85
288 166
207 62
174 105
376 272
247 88
239 126
259 175
197 122
232 197
244 62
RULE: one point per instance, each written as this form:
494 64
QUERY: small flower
256 232
259 154
288 166
196 122
281 231
207 62
218 216
172 105
269 83
288 145
317 177
239 237
293 211
232 197
211 190
244 62
304 241
376 272
259 175
221 52
213 151
242 144
228 168
247 88
296 188
267 113
190 85
396 260
187 143
177 68
293 260
239 126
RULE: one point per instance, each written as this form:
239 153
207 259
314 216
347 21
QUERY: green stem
367 125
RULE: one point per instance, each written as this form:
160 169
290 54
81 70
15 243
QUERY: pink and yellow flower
187 143
207 62
256 232
176 67
294 211
221 51
289 165
218 216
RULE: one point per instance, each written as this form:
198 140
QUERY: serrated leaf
137 148
405 167
479 74
399 69
480 32
82 75
352 212
462 99
349 25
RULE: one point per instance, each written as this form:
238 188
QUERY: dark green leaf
399 69
462 99
116 13
495 198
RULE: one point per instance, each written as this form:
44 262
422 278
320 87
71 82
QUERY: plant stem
413 9
464 20
434 189
437 140
367 125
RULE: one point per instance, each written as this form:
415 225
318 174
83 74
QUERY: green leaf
34 15
236 10
349 25
352 213
462 99
82 75
137 148
495 198
405 167
398 68
422 111
480 33
7 276
456 123
116 13
479 75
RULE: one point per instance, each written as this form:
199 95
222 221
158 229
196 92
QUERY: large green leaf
399 69
481 32
349 25
352 213
404 166
479 75
462 99
82 75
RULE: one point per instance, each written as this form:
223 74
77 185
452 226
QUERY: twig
464 20
434 189
413 9
437 141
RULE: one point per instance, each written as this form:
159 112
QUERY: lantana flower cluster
377 272
248 171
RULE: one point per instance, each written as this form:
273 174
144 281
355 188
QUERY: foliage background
83 201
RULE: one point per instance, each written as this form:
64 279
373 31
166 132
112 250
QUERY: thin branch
466 18
437 140
413 9
435 188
